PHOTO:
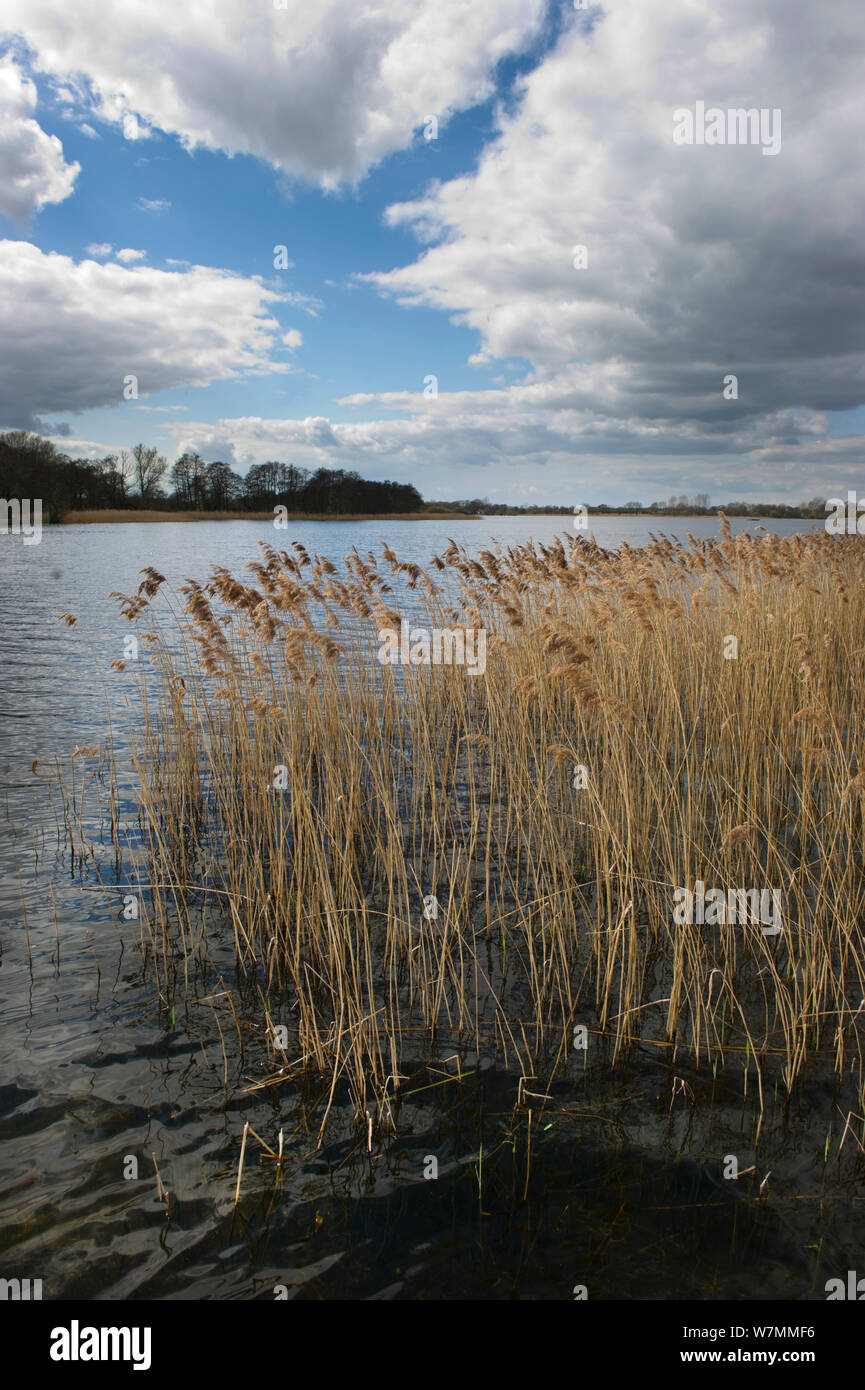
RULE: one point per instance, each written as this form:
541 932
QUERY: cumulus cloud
334 88
701 261
80 448
129 255
483 445
81 329
33 171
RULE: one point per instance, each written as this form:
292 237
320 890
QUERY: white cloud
482 444
702 261
99 249
152 205
321 91
128 255
81 448
33 171
293 338
80 329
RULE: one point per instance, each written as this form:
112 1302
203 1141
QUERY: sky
459 243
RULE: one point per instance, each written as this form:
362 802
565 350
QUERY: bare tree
117 469
126 470
149 469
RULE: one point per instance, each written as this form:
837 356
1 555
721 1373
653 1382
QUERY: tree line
676 506
31 466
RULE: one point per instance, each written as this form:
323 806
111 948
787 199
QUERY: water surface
619 1190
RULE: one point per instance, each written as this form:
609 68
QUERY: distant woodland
141 478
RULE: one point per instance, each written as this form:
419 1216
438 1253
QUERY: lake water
93 1073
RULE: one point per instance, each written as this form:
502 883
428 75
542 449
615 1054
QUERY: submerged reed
392 856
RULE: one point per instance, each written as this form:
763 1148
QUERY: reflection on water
615 1186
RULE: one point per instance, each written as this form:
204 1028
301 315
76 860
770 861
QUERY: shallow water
620 1188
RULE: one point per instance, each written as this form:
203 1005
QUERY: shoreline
111 516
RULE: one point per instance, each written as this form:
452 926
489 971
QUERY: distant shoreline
111 516
108 515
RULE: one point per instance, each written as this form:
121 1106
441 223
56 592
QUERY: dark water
614 1185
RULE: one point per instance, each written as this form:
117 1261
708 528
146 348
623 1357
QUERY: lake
96 1075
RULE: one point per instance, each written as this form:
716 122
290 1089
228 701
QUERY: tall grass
555 903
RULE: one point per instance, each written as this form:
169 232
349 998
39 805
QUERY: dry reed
301 802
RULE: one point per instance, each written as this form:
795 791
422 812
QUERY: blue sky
449 257
229 211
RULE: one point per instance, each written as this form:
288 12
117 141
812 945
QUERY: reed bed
302 805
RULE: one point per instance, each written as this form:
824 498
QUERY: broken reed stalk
240 1163
161 1189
